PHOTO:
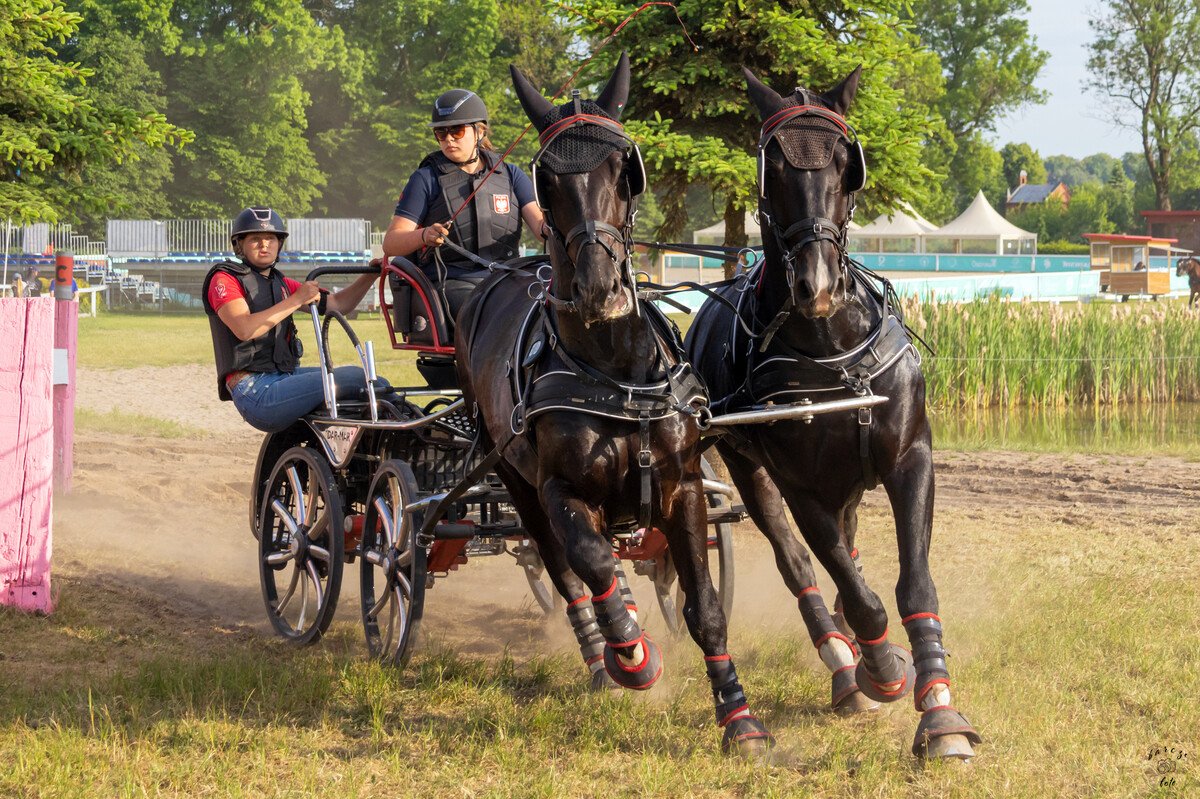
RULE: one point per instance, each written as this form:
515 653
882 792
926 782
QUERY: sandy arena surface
169 516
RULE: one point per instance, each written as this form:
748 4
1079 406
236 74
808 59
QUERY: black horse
819 328
587 401
1190 267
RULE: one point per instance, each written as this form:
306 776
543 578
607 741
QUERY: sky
1071 122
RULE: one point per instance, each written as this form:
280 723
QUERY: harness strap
645 462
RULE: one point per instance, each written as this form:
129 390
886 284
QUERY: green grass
1074 652
996 353
118 421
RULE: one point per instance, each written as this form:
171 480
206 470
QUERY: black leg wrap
929 657
591 643
885 672
744 734
815 614
622 634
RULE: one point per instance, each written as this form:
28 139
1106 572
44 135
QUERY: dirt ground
168 518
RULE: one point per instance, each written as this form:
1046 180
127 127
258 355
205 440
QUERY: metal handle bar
799 410
342 270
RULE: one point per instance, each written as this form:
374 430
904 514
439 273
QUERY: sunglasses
456 133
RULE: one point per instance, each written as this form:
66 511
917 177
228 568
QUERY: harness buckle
864 417
644 460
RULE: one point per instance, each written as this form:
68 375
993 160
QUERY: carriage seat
419 311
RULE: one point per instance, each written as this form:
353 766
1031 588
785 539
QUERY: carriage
357 482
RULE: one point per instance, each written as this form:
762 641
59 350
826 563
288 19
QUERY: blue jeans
271 401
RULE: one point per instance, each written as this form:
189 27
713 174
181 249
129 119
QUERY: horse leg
885 671
686 530
849 533
630 657
943 732
765 507
580 614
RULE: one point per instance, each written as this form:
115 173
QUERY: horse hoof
640 677
893 690
847 698
944 733
856 703
747 737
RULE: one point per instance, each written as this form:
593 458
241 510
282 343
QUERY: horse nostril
616 286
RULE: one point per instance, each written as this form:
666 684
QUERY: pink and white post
37 428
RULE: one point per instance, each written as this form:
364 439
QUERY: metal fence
149 238
43 238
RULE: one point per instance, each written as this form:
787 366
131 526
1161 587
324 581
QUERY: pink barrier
27 330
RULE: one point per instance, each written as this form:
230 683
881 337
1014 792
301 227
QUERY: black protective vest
489 226
277 350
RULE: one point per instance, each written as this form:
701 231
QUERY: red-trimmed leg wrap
623 589
929 657
817 619
939 721
617 626
743 731
587 632
886 671
639 677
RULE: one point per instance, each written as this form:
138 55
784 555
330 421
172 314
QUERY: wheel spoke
406 558
303 605
401 612
290 592
316 581
297 493
378 606
320 553
276 558
314 492
285 516
385 518
388 599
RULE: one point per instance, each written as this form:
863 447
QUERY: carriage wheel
392 572
720 566
544 592
300 549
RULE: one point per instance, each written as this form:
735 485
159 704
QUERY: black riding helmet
458 107
257 220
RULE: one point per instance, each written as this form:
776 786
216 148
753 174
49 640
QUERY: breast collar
539 385
781 373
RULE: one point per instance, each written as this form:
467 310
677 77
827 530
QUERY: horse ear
840 96
536 106
766 99
616 91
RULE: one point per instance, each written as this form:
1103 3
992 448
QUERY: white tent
981 230
903 231
715 234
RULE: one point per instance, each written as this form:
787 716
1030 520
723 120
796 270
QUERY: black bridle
811 230
589 232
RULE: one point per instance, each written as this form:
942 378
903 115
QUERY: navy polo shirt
422 190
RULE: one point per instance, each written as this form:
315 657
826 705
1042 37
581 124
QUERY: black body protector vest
489 226
277 350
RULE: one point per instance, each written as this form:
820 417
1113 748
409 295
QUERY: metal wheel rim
392 571
301 546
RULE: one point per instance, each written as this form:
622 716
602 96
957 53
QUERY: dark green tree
1021 157
53 124
692 115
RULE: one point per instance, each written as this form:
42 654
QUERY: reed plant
999 353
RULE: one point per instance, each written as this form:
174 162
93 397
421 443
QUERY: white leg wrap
636 654
835 654
938 695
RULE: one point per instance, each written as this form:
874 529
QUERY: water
1130 429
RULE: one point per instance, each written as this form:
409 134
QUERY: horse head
810 166
587 176
1187 266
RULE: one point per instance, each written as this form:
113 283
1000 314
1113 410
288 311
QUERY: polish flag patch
500 203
